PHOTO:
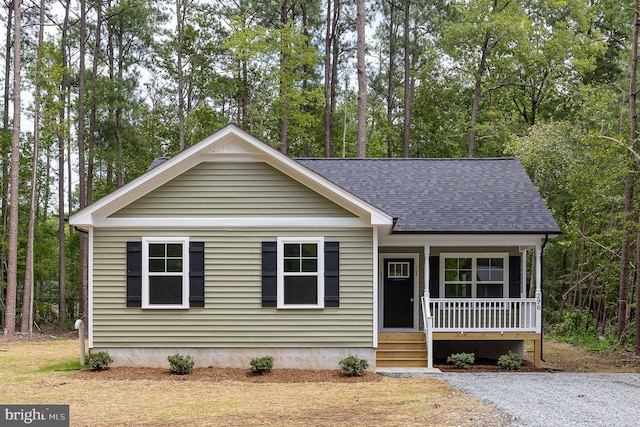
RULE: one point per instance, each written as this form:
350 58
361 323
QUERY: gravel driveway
556 399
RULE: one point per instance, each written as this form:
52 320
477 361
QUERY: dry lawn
41 372
569 358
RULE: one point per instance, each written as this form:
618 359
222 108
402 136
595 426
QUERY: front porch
461 292
456 320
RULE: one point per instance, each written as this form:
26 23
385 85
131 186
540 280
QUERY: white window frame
319 274
185 272
474 265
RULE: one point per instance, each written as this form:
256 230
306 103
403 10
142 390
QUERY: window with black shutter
300 273
165 273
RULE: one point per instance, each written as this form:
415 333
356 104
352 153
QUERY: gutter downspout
546 239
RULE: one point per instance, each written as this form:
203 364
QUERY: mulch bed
485 365
227 374
275 376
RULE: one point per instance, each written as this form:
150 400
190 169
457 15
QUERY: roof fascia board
462 240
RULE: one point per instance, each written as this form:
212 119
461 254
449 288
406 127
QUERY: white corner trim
90 289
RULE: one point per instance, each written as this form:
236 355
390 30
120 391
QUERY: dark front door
398 293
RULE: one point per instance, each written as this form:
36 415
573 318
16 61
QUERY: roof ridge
404 158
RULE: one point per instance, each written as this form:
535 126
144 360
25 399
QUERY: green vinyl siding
233 315
232 190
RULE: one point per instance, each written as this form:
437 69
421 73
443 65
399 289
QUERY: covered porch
467 290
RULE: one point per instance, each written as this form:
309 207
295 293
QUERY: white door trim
416 298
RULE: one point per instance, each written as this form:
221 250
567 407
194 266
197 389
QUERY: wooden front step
401 350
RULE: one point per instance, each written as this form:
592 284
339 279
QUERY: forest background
113 84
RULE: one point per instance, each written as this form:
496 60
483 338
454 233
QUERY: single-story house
231 250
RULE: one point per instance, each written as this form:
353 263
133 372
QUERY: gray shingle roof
444 195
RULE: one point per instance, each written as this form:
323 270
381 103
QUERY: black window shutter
515 279
434 277
134 274
269 274
332 274
196 274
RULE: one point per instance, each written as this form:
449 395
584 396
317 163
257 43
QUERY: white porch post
376 285
427 272
538 289
429 322
523 273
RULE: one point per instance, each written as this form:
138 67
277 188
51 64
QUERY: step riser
399 354
404 336
401 364
401 346
401 350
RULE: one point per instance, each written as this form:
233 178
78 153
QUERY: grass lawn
42 372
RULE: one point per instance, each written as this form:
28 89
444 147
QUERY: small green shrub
510 361
352 365
99 361
181 365
261 365
462 360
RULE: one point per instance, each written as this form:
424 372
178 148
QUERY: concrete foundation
482 349
297 358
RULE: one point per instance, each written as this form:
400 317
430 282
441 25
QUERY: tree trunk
362 81
5 149
26 320
636 342
335 57
633 135
12 267
391 75
477 94
328 84
83 237
93 102
406 125
623 289
180 76
119 88
284 89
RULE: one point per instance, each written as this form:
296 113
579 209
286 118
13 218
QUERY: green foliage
462 360
510 361
577 327
261 365
353 366
181 365
575 322
99 361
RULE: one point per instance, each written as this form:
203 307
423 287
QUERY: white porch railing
427 320
483 315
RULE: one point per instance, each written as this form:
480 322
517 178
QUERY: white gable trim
228 144
216 222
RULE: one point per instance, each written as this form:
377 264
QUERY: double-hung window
165 272
300 272
481 275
